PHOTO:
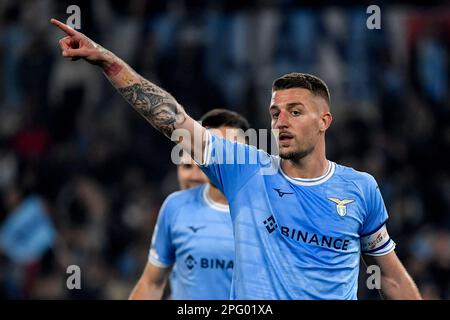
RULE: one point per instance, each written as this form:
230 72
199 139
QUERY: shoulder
186 196
363 180
181 199
220 143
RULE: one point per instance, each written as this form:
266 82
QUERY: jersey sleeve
162 250
375 239
229 164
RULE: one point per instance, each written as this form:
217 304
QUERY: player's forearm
146 291
155 104
400 287
152 102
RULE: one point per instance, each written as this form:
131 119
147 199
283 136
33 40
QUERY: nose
282 121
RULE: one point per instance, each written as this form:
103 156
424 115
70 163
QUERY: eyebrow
295 104
289 105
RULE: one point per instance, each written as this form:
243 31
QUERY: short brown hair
217 118
303 80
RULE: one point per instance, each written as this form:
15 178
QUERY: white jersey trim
378 242
213 204
152 258
390 247
314 181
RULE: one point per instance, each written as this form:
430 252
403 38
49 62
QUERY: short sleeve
375 239
162 251
229 164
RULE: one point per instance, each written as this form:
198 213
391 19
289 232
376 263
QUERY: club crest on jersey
341 205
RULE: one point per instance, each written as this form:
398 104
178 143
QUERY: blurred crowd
82 176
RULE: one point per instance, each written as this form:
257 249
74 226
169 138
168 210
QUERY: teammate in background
189 175
193 234
299 233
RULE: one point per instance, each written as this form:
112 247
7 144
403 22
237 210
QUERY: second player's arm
155 104
151 284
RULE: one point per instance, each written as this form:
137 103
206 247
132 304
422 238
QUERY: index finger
64 27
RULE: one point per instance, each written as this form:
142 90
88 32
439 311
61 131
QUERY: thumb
72 53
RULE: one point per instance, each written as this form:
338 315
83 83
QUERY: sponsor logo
281 193
270 224
307 237
194 229
209 263
379 238
190 262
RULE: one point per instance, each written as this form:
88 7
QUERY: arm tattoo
155 105
113 69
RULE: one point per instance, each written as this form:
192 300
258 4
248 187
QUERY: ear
325 121
323 110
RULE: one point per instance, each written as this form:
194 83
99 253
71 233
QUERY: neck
216 195
312 166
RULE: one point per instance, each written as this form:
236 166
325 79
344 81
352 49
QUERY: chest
333 208
205 235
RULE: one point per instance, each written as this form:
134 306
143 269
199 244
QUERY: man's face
189 175
301 119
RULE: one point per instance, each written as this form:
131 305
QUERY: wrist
111 68
104 58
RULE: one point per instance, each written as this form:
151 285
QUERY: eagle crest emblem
341 205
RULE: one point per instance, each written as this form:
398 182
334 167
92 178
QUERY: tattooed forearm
113 69
155 105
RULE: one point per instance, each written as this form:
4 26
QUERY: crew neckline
213 204
313 181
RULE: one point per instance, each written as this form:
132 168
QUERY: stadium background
82 176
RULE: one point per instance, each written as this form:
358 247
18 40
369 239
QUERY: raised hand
155 104
76 45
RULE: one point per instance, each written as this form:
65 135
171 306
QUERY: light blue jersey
194 235
296 238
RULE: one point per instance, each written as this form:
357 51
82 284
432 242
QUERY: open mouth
285 137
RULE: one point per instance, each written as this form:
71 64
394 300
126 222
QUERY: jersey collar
314 181
213 204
